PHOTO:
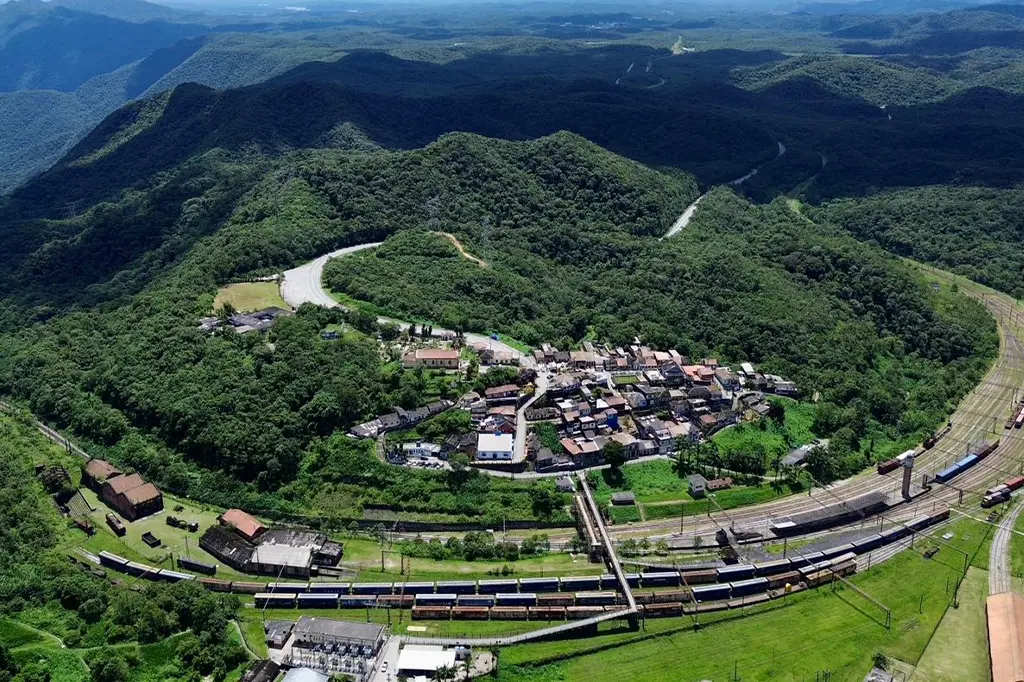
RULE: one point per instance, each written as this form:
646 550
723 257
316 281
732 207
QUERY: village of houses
644 399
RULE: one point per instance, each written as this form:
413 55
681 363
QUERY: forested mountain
569 227
973 231
61 48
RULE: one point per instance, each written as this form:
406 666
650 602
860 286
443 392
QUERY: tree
495 656
777 412
8 668
614 454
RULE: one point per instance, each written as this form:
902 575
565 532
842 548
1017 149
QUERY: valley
541 343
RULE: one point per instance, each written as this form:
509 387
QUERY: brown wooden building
132 496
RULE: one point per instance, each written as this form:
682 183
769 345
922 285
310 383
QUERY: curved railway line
980 416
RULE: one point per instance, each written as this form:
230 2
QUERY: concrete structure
495 446
421 450
312 632
1005 614
304 675
418 661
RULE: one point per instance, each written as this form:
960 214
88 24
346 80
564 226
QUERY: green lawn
364 556
653 481
175 541
625 380
815 632
726 499
249 296
959 649
773 440
1017 548
13 634
251 626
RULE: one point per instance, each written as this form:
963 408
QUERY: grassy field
815 632
175 541
249 296
1017 548
654 481
775 440
400 621
726 499
363 556
959 649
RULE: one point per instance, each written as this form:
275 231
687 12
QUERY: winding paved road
683 220
304 284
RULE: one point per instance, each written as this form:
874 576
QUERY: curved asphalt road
304 284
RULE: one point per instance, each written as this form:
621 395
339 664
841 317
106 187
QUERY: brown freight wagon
643 597
663 610
396 600
583 612
782 579
674 596
700 577
248 588
431 613
556 599
509 613
547 613
215 585
471 613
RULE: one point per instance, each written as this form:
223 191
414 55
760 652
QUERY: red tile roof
243 523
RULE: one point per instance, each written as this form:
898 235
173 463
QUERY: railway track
979 416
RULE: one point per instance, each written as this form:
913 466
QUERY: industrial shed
132 496
97 472
1005 614
831 515
311 631
243 524
228 547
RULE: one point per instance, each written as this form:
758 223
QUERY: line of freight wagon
1001 492
572 585
519 606
975 454
1016 419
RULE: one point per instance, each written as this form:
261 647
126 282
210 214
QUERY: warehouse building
97 472
244 524
311 632
132 496
421 661
278 551
1005 614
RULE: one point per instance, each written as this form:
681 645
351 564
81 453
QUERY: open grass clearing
247 297
766 437
400 621
959 649
364 556
14 634
817 631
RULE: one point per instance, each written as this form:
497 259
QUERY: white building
494 446
421 450
420 662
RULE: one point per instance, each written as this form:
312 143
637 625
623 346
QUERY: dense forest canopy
972 231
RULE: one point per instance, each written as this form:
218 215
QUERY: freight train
931 440
1016 419
1001 492
526 597
894 463
975 454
